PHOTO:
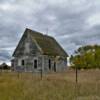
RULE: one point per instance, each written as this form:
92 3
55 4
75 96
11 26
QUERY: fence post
76 75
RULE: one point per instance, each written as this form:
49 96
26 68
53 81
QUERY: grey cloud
65 20
4 55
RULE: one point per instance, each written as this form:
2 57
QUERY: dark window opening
54 66
23 62
35 64
49 64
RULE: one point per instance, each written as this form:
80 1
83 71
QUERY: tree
86 57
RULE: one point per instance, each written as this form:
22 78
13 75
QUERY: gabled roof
47 43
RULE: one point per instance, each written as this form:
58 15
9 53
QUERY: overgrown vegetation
55 86
86 57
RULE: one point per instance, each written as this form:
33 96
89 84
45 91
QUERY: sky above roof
72 22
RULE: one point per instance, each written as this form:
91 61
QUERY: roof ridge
34 31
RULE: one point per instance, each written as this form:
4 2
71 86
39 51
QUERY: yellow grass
54 86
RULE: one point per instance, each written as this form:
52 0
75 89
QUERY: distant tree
4 66
86 57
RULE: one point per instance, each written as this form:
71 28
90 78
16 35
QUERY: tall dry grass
53 86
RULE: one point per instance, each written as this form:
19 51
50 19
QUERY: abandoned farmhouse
36 51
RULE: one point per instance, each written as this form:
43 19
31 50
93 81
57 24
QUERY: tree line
86 57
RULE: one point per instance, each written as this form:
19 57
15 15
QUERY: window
49 64
35 63
54 66
23 62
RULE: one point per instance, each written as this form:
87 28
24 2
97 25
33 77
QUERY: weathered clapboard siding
29 56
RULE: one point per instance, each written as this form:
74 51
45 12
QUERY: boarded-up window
27 49
19 62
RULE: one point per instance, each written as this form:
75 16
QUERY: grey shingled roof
47 43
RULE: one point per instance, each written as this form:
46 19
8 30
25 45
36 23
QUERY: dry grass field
54 86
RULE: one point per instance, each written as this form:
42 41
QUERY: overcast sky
72 22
